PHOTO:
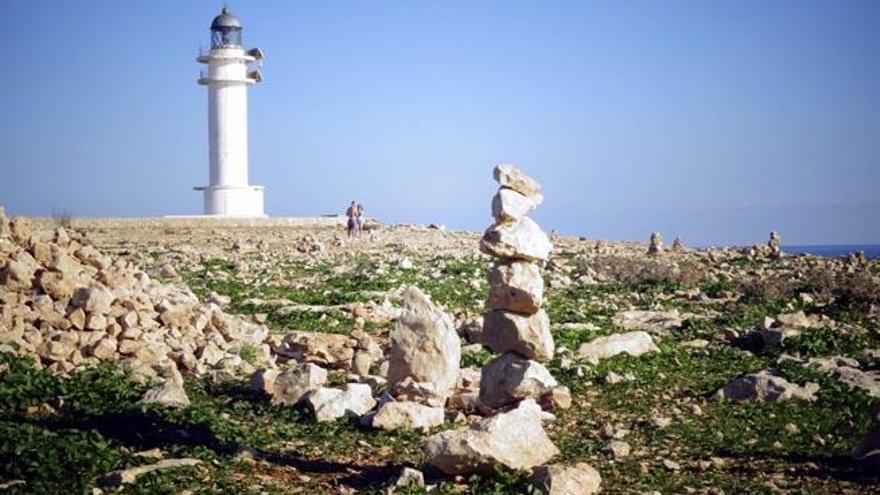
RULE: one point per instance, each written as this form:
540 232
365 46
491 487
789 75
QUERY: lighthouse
229 73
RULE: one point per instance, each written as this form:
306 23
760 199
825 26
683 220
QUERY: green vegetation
60 434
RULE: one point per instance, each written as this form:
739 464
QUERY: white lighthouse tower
227 79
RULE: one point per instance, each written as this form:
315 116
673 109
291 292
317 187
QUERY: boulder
424 348
632 343
580 479
509 205
512 178
529 336
330 404
522 239
515 439
516 286
411 415
291 385
766 387
510 378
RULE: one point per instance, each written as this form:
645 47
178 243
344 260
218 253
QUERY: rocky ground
234 358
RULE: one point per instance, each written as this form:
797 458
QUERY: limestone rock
522 239
580 479
515 439
409 477
291 385
130 475
510 378
656 322
509 205
529 336
766 387
412 415
424 347
329 404
93 299
632 343
263 381
512 178
325 349
516 286
169 392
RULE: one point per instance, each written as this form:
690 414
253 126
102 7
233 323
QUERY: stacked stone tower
516 326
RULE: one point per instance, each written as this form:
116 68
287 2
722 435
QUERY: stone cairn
774 245
515 385
677 244
656 246
515 326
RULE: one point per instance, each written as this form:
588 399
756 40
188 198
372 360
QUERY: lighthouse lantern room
229 73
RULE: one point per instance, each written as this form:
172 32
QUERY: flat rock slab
632 343
130 475
766 387
657 322
515 439
847 371
410 415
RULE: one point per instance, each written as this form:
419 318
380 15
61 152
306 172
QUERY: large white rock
291 385
529 336
93 299
522 239
516 286
580 479
508 205
512 178
766 387
632 343
515 439
424 348
329 404
412 415
510 378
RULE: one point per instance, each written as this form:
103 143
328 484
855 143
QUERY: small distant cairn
774 245
677 244
656 246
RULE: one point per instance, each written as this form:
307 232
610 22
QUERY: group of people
355 213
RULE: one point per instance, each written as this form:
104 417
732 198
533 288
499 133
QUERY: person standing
351 213
360 219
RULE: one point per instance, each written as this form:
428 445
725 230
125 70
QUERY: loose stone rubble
69 306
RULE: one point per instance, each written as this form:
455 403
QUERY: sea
834 250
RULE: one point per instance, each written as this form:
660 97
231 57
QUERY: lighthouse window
225 37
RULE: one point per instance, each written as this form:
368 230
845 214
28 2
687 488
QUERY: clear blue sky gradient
714 120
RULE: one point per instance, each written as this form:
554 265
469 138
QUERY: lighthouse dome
225 21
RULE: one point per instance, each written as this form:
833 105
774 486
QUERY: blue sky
714 120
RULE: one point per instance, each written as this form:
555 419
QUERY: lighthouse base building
227 78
